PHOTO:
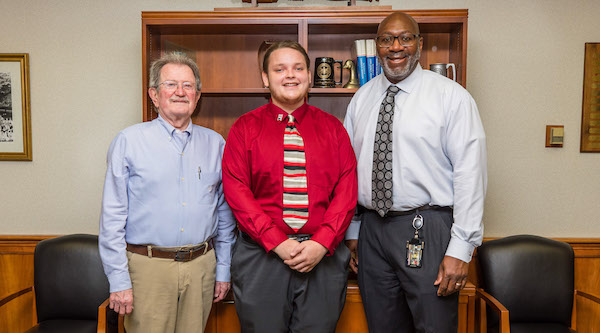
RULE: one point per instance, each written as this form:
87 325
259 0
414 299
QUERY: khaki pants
170 296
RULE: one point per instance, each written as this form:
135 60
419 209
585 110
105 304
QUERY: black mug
325 73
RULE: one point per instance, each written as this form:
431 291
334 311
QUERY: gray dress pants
270 297
398 298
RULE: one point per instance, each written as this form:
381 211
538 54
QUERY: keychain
415 246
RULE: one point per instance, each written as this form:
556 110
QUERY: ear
153 96
265 79
310 78
198 97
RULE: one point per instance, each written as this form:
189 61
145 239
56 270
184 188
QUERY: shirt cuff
460 249
353 228
223 273
119 282
271 238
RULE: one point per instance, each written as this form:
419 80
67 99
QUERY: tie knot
392 90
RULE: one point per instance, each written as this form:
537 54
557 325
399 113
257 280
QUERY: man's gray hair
172 58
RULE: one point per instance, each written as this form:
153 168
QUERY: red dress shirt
253 175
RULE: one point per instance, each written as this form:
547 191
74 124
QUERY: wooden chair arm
500 309
589 296
575 313
103 327
14 295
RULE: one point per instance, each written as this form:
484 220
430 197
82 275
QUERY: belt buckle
302 238
183 255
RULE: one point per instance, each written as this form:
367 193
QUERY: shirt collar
408 84
171 129
281 115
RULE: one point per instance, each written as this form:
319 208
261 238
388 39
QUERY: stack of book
367 64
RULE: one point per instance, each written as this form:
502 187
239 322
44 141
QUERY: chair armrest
589 296
500 309
108 320
14 295
588 312
18 309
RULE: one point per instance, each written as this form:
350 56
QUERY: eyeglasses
404 40
171 86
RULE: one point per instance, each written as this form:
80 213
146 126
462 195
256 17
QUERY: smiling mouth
290 84
397 58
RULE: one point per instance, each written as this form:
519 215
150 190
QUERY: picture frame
15 114
590 115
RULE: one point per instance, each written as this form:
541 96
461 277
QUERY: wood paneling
16 273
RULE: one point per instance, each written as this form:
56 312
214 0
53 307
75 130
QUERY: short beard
399 74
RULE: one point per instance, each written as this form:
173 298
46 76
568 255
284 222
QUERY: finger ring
458 284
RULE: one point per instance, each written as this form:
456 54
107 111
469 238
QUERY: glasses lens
407 39
385 40
172 86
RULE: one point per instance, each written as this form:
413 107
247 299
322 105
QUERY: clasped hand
302 257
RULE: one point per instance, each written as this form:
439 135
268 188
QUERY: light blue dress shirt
160 193
439 152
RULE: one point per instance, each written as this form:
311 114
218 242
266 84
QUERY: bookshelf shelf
225 44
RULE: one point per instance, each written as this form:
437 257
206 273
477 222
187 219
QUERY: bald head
398 18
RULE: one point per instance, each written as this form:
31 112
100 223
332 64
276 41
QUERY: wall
525 70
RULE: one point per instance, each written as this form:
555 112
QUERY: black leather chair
70 287
529 281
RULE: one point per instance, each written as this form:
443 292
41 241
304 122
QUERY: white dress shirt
439 154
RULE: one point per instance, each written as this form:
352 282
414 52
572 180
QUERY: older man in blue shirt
163 211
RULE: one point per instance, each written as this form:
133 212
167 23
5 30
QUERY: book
371 57
360 47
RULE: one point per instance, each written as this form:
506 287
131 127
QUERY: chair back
69 280
533 277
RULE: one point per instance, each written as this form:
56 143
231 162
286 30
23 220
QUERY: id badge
414 253
415 246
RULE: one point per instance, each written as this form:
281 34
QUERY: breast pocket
208 187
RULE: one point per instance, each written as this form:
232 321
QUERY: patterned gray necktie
381 197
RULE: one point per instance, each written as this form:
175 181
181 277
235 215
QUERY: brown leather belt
393 213
181 254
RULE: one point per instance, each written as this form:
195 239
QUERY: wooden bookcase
225 44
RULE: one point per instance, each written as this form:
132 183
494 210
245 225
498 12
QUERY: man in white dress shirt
421 154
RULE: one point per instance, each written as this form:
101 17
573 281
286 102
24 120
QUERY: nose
290 73
179 91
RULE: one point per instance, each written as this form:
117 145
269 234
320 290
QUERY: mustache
183 99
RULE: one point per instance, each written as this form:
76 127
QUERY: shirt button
183 204
182 179
181 229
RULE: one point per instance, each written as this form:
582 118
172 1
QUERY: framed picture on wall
15 116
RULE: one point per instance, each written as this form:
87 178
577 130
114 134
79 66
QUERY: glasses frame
416 36
194 87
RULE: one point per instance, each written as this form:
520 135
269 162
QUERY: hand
284 249
452 276
352 245
122 301
306 256
221 290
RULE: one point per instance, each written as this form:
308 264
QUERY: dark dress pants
270 297
397 298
